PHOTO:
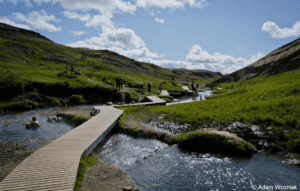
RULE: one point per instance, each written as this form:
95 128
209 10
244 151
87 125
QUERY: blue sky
216 35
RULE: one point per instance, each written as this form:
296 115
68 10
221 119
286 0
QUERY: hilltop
283 59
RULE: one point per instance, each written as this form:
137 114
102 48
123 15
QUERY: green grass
85 162
267 102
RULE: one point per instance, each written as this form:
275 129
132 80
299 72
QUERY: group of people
72 70
119 83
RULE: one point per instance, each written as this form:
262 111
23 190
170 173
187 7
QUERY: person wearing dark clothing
159 87
117 82
197 86
120 83
192 85
72 69
67 69
149 87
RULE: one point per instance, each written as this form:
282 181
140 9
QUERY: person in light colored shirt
32 124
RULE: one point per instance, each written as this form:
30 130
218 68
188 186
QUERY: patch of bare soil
106 176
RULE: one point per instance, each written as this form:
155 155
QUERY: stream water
169 168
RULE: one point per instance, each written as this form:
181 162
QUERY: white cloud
218 61
101 20
277 32
77 33
152 14
193 4
159 20
38 21
7 21
73 15
125 38
160 3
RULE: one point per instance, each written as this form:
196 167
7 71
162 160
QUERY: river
169 168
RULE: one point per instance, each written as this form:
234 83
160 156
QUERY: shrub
76 99
275 147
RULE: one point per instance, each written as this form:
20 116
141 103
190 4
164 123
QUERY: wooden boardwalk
187 89
54 166
164 93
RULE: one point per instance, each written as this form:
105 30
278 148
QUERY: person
33 124
149 87
120 83
197 86
67 69
123 97
173 78
117 83
159 87
192 85
72 69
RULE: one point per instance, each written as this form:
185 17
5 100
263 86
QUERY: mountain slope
281 60
24 47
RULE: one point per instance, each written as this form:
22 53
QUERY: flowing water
168 168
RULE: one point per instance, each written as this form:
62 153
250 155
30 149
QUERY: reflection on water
171 169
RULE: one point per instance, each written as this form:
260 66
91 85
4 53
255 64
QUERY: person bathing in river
32 124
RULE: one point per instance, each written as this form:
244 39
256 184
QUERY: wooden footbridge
54 166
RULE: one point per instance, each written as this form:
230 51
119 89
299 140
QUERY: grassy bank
267 102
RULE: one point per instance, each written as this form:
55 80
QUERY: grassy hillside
28 63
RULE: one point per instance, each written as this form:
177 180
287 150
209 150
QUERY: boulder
109 103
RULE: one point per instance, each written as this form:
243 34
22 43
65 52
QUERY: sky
215 35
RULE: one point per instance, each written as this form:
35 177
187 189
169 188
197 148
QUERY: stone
109 103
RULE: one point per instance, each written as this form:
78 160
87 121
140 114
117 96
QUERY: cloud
152 14
103 6
7 21
73 15
38 21
160 3
193 4
277 32
159 20
218 61
77 33
101 20
125 38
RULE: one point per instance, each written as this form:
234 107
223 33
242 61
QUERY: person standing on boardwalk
123 97
159 87
149 87
67 69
